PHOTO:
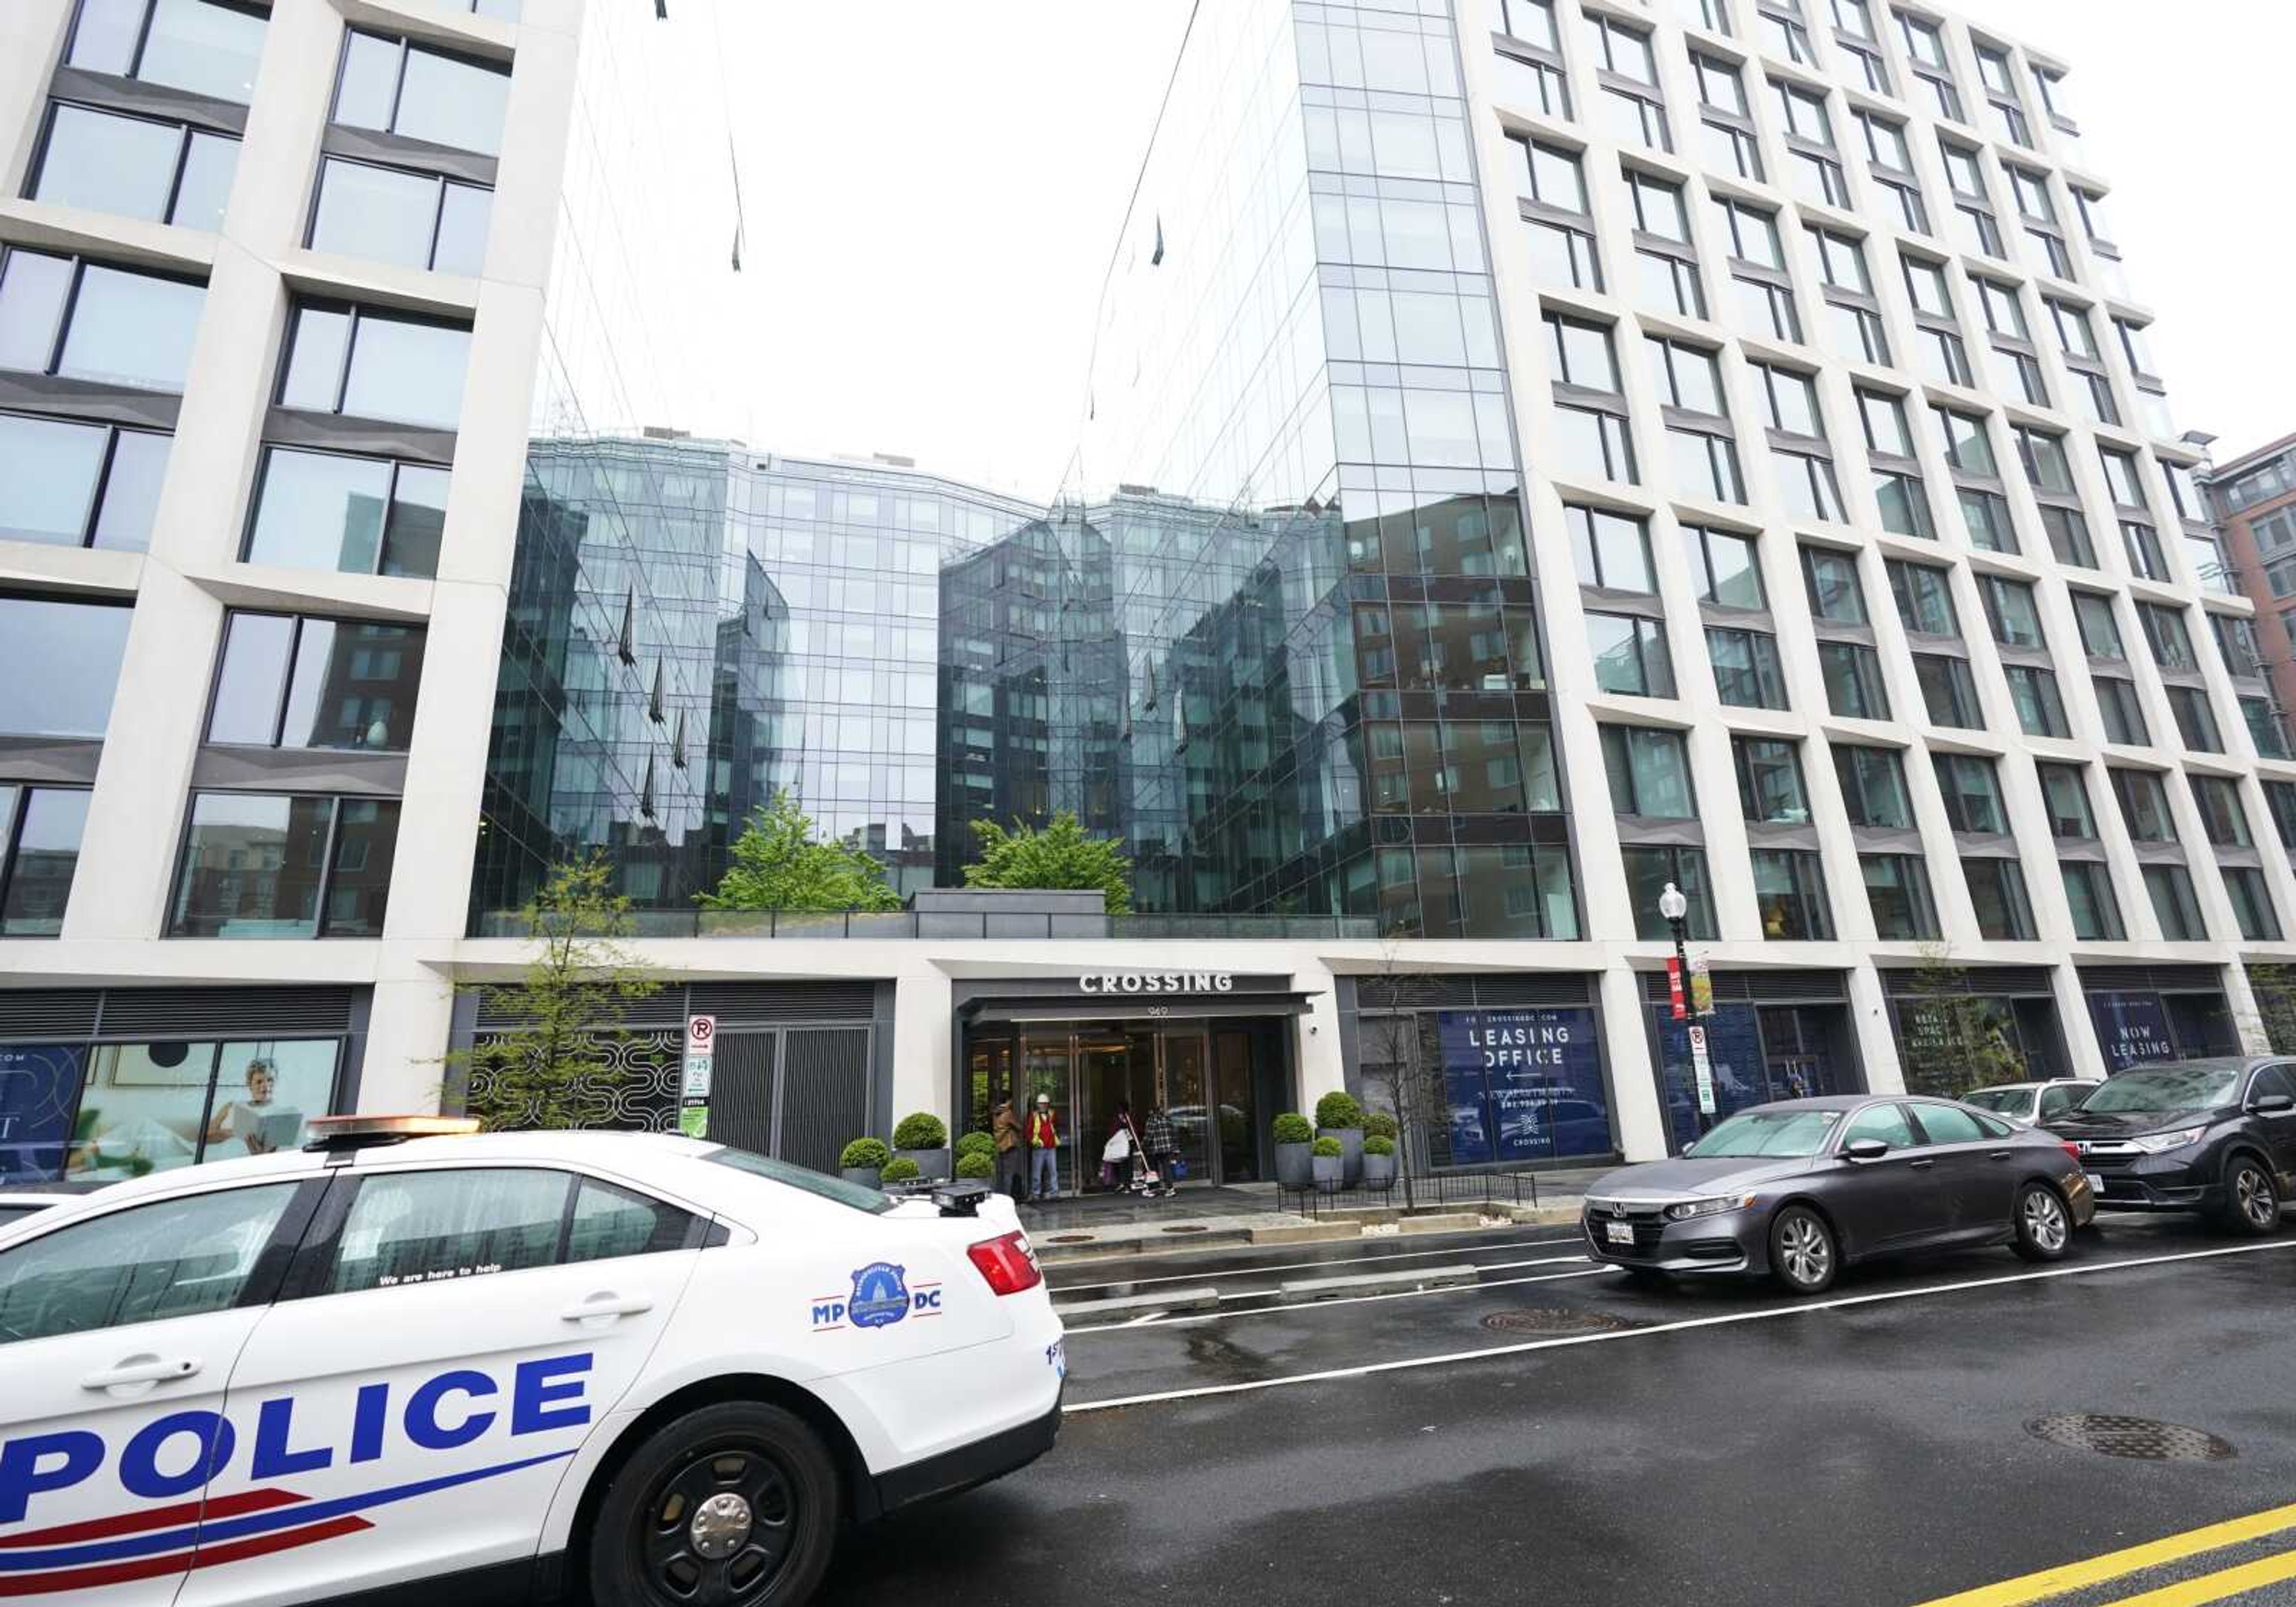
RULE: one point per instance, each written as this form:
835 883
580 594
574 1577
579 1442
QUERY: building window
1649 768
162 172
1897 889
1789 896
2251 903
375 364
1801 454
40 831
418 93
1724 568
1612 550
2165 632
1976 229
293 681
1712 15
1632 109
1949 690
1853 681
1852 312
2175 904
1769 781
2001 97
1699 432
2280 798
2013 360
1726 131
1783 34
1746 670
1528 82
2033 694
2223 819
1531 21
259 865
71 484
354 516
1977 479
1925 595
2100 633
76 648
1898 487
2195 722
1759 283
1630 655
1663 252
2089 893
1972 790
2144 806
207 46
2266 727
1996 888
1926 48
1831 578
2235 635
1649 868
2123 716
2064 791
1560 231
2009 609
82 320
417 220
1595 445
1892 164
1872 783
1942 358
1812 164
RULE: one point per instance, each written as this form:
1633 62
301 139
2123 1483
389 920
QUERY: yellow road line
2134 1559
2220 1587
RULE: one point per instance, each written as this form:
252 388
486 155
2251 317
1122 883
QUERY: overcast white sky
933 190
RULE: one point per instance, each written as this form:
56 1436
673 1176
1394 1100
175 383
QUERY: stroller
1124 1166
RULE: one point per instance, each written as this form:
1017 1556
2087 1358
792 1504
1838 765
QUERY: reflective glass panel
319 511
255 651
209 169
252 865
33 290
206 48
375 212
360 876
48 473
47 851
418 516
132 329
78 647
369 84
462 217
131 490
407 372
109 163
452 102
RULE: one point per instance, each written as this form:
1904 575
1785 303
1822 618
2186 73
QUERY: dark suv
2217 1136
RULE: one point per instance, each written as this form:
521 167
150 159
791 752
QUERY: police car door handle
141 1370
605 1304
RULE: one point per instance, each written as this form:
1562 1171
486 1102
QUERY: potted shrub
975 1163
976 1144
1330 1164
922 1137
864 1163
1293 1136
1338 1116
900 1170
1379 1161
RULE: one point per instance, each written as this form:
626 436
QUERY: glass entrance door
1236 1121
1106 1078
1180 1084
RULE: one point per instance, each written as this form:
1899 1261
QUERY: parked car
2031 1104
29 1199
2215 1137
1800 1188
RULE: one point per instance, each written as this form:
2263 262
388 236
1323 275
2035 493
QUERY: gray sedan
1800 1188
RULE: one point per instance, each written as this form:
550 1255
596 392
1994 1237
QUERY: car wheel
733 1504
1803 1255
2042 1229
2251 1198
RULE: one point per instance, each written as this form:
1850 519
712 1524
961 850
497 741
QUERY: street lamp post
1675 909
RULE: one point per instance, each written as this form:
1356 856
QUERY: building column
2085 1056
1316 1049
924 1040
2247 1014
1639 1117
405 1066
1877 1036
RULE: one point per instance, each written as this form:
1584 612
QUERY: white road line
1413 1362
1190 1319
1269 1294
1245 1272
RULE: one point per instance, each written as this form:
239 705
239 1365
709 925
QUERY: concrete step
1122 1307
1376 1282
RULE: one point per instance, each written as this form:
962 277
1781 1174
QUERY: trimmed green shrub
1291 1128
865 1152
1379 1143
900 1168
1326 1146
921 1130
1338 1110
976 1144
1379 1124
974 1164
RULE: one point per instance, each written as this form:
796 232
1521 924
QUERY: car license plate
1618 1232
2095 1182
1057 1354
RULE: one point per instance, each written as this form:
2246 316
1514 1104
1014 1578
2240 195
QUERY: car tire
2252 1207
1646 1277
736 1502
1804 1254
2042 1226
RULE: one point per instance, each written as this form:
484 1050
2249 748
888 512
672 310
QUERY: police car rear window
799 1177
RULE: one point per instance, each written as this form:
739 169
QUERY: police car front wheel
730 1505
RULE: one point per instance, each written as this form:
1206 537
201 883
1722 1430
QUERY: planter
1330 1172
932 1165
1293 1169
1378 1172
1350 1149
867 1176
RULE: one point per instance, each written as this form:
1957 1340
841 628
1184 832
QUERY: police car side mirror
2271 1104
1865 1149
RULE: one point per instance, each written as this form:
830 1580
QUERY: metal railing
956 925
1427 1189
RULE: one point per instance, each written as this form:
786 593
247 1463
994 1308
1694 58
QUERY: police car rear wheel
731 1505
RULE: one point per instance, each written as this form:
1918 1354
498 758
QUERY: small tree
1414 1080
1952 1041
1060 855
778 865
551 1067
2275 988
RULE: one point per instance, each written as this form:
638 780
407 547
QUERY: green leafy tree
778 865
1060 855
556 1066
1953 1041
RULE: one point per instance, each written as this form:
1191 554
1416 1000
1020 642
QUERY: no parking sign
701 1062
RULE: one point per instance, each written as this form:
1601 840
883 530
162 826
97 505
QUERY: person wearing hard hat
1043 1150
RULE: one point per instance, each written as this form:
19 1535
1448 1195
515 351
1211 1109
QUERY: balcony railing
959 925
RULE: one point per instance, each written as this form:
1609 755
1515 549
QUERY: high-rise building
1535 453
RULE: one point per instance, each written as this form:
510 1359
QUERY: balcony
961 914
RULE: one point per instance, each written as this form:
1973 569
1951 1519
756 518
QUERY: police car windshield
797 1177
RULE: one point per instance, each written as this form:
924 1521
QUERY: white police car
499 1367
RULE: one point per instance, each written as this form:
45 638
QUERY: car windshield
1783 1133
2009 1102
17 1213
854 1194
2193 1086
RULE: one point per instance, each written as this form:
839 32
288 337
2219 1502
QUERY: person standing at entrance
1163 1150
1043 1150
1011 1159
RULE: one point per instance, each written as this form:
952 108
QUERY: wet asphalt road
1870 1451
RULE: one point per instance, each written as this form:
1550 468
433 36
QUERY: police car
410 1361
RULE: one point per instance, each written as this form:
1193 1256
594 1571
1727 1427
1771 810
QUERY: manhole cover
1189 1227
2142 1438
1071 1239
1554 1320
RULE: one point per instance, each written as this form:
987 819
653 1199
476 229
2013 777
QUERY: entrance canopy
1129 1006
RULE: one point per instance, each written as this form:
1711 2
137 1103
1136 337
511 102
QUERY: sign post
1701 1067
701 1062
